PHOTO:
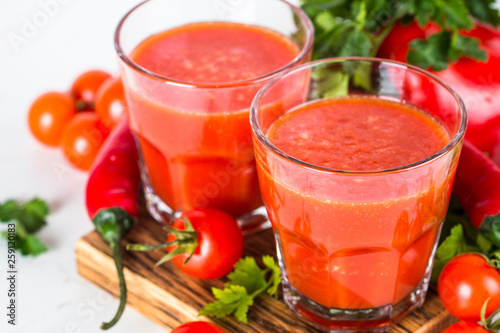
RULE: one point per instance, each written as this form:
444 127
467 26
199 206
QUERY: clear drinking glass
356 247
194 138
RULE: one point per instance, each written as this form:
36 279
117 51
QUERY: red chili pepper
478 83
112 191
477 188
114 177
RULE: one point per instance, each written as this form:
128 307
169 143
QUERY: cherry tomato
465 284
220 244
85 86
198 327
48 115
110 102
82 139
465 327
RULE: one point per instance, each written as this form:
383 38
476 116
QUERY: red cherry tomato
110 102
48 115
220 244
85 86
465 327
82 138
198 327
465 284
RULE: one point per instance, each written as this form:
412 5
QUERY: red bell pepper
477 188
477 83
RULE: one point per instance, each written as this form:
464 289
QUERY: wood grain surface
169 297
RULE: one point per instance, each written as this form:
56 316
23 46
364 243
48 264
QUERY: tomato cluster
79 120
469 288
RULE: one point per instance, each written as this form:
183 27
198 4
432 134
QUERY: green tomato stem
117 256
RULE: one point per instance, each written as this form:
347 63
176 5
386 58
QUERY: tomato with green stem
110 103
203 243
48 115
85 86
466 283
198 327
82 138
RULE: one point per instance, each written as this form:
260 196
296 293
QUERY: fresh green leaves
29 218
357 28
442 47
232 299
349 28
246 282
484 11
491 229
460 236
452 245
448 14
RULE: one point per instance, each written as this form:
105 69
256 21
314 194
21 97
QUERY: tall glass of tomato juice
356 176
190 70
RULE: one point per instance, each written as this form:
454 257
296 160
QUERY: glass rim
309 28
257 131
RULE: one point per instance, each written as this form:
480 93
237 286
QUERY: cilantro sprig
246 282
358 28
29 218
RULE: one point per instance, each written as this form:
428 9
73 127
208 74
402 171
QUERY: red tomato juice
356 246
195 140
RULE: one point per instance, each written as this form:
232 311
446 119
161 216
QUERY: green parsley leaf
247 274
431 53
490 228
358 28
29 218
449 14
484 11
329 84
233 299
31 245
275 274
246 282
465 46
9 210
450 247
442 47
357 43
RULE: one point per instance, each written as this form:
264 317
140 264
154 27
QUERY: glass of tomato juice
190 70
356 159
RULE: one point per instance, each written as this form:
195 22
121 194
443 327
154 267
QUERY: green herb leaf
490 228
431 53
484 11
9 210
357 43
246 282
449 14
275 275
31 245
464 46
29 218
247 274
358 28
328 83
233 299
439 49
450 247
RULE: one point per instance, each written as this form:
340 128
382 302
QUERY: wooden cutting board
170 298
